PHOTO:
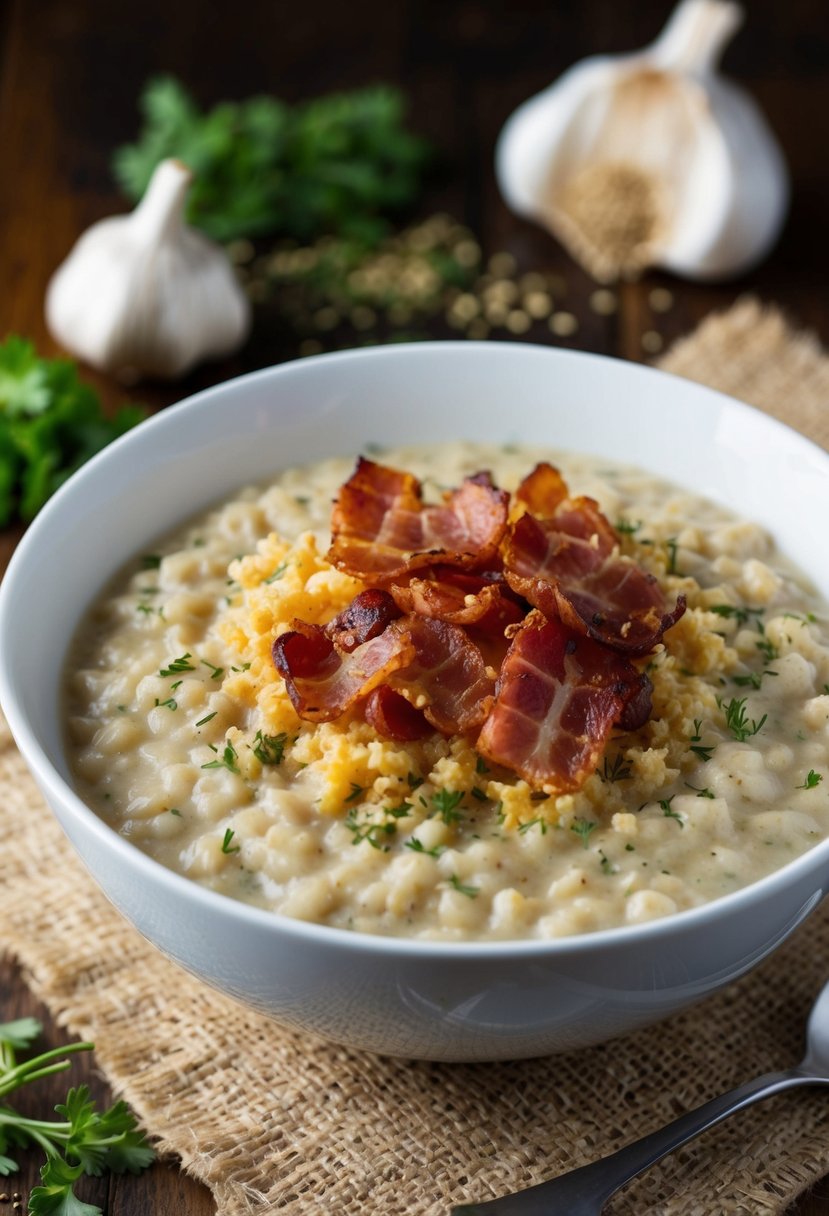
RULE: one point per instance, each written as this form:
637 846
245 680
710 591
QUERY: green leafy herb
446 803
414 781
216 673
812 779
457 885
753 680
177 665
50 424
700 792
415 845
627 528
357 791
151 561
278 573
665 803
227 847
478 794
766 647
481 766
82 1141
175 811
738 722
672 544
607 865
583 828
539 822
270 749
701 750
374 832
228 760
617 769
338 164
168 704
207 718
732 613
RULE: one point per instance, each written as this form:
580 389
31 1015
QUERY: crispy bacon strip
559 695
447 679
322 681
487 603
569 566
382 532
393 717
542 490
366 617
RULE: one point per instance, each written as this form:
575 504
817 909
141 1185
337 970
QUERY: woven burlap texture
276 1122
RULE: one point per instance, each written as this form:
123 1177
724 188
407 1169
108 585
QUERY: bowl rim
59 789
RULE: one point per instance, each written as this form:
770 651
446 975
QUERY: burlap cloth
274 1121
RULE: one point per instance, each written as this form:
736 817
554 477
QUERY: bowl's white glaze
433 1000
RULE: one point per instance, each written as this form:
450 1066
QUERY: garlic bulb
144 294
651 159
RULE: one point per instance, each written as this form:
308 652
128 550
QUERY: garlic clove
146 295
650 158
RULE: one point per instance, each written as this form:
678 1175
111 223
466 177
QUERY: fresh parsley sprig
82 1141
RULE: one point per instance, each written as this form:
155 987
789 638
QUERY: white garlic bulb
652 158
144 294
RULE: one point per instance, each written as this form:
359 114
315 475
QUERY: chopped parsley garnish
539 821
627 527
244 667
227 847
414 781
481 766
672 544
703 792
356 792
701 750
372 832
417 847
457 885
151 561
617 769
227 761
766 647
607 864
753 680
478 794
813 779
177 665
445 803
207 718
168 704
738 722
402 811
175 811
216 673
740 615
665 803
583 828
270 749
277 574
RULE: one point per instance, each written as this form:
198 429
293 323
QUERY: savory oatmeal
436 749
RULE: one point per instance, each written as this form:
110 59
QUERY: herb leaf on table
82 1141
50 424
337 164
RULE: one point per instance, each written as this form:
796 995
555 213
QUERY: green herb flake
481 766
277 574
357 791
175 811
469 892
178 665
583 829
627 527
737 720
168 704
270 749
414 781
417 847
478 794
812 780
672 545
665 804
607 865
227 847
207 718
703 792
538 822
228 759
446 803
617 769
216 673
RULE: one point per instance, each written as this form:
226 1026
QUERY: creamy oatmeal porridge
187 740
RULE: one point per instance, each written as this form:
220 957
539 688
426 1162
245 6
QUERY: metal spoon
584 1192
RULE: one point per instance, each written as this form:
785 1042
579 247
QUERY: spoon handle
584 1191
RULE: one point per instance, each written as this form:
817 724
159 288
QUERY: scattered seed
501 265
603 302
660 299
563 324
517 321
652 342
538 304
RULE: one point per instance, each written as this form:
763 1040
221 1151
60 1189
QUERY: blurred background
72 73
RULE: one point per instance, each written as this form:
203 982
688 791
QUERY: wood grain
70 73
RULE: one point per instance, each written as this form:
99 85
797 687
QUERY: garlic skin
718 183
145 295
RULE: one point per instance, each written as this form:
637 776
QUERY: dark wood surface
70 73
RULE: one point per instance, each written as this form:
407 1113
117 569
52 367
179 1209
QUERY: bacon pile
519 631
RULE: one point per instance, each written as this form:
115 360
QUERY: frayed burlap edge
273 1121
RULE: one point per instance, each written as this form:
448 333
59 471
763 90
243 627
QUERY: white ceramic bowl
479 1001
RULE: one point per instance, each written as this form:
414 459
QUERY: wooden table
70 73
